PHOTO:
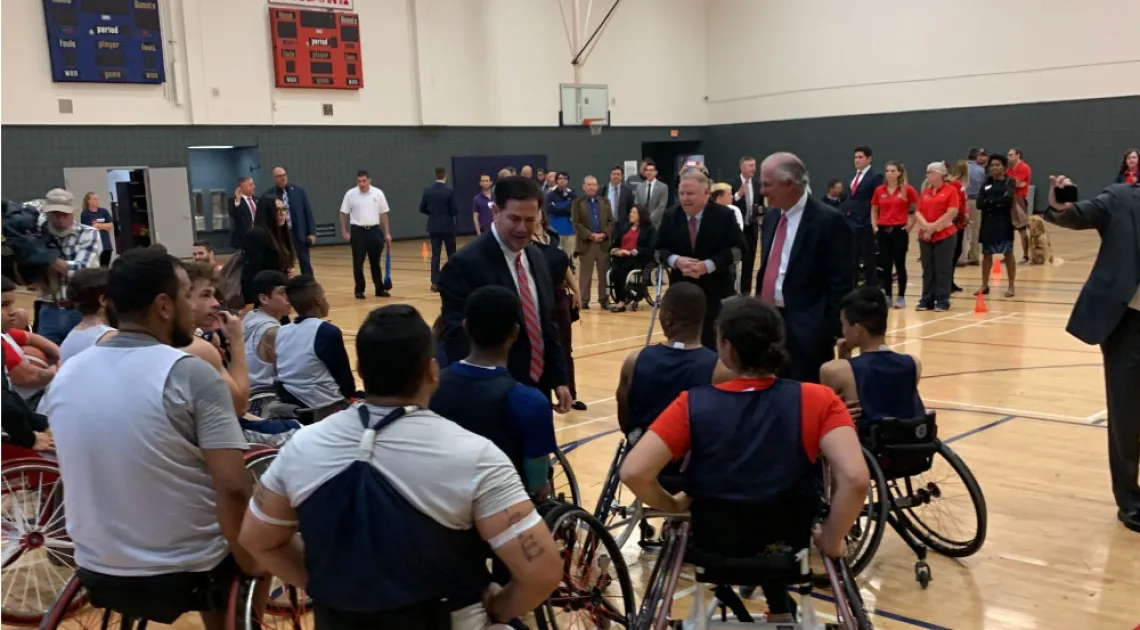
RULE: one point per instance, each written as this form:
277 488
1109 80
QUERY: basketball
36 356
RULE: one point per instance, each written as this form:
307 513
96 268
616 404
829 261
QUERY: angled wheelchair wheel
866 534
38 556
850 610
257 461
595 590
649 279
657 604
563 483
620 520
943 507
287 607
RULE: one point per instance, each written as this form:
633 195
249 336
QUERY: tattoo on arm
530 547
259 496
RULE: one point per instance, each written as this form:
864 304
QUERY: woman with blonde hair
937 209
893 207
959 178
100 219
721 193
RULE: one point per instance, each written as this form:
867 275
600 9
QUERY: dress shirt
708 263
977 175
747 198
510 256
1135 303
859 175
614 195
793 216
364 208
595 219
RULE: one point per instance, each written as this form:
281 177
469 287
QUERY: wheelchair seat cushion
161 598
781 564
903 447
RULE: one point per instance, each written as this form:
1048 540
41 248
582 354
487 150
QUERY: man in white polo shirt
366 210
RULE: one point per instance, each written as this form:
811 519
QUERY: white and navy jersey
254 327
312 363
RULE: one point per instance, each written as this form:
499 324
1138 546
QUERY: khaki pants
971 248
594 256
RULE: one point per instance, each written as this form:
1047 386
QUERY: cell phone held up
1067 194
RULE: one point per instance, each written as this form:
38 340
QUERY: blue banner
104 41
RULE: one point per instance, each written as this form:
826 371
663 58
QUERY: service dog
1040 249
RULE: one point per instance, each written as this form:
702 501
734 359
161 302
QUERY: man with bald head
300 217
701 243
593 220
808 265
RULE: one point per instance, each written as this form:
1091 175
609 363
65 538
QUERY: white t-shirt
364 208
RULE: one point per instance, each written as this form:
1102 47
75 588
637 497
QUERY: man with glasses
300 218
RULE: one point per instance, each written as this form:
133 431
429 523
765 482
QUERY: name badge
989 186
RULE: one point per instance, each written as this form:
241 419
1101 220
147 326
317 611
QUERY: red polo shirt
1022 173
963 211
933 206
894 208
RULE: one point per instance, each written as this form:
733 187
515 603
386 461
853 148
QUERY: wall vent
327 108
66 106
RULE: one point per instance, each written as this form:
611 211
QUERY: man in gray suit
1107 313
653 195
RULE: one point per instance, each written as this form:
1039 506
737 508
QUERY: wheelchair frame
645 281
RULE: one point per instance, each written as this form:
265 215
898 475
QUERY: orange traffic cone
424 251
997 270
980 304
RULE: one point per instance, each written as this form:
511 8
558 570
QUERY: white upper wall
431 62
776 60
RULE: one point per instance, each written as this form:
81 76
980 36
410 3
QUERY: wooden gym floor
1021 402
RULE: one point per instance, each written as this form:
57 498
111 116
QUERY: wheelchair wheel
866 534
595 590
563 483
657 604
649 278
260 397
38 556
943 507
257 461
620 520
286 608
849 607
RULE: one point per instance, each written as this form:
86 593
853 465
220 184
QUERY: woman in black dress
268 246
633 249
995 202
567 300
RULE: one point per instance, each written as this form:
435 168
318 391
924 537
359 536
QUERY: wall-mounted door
171 221
80 181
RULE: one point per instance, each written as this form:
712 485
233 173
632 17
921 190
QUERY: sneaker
922 306
941 308
900 302
383 293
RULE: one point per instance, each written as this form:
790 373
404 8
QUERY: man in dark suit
857 210
701 243
620 195
301 223
242 211
807 265
438 203
834 196
505 255
746 195
1107 313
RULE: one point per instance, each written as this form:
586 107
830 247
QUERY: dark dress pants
436 241
562 319
302 249
1121 375
865 263
748 257
366 241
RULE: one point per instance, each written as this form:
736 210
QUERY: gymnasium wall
771 60
425 62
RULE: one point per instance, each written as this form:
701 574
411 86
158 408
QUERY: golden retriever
1040 249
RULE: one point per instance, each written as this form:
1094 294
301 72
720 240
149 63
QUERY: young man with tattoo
397 505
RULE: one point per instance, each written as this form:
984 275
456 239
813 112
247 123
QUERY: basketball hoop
595 124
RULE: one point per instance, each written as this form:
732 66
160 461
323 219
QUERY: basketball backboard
581 102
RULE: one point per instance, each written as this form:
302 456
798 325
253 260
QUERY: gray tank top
79 340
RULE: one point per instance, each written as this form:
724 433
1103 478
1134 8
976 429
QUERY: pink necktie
530 319
772 271
693 233
252 208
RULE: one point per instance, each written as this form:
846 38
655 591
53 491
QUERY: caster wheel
922 574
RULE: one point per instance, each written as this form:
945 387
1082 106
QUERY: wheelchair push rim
595 590
943 507
866 535
37 554
620 520
563 483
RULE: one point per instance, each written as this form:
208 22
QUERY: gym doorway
669 157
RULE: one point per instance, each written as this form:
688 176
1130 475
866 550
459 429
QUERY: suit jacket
834 204
1115 276
580 219
756 212
300 212
480 263
655 205
241 220
624 201
719 239
856 208
438 203
821 271
646 238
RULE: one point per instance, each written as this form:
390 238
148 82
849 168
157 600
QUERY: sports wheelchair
38 556
915 482
638 285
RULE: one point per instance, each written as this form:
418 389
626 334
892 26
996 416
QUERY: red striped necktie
530 320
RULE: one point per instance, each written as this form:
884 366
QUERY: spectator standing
482 205
857 210
204 252
892 217
593 221
749 202
620 195
567 299
558 210
365 209
834 196
102 220
653 195
299 217
242 212
438 203
959 174
79 247
1107 313
268 247
526 171
1129 168
995 202
937 209
1021 174
977 163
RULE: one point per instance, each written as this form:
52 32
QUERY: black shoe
578 406
383 293
1130 519
955 288
360 296
434 289
922 306
585 306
